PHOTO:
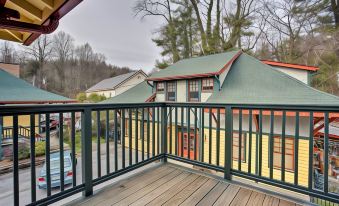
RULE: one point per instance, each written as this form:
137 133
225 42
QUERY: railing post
228 142
164 132
86 151
1 135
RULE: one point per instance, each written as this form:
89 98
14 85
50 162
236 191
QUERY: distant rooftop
112 83
17 91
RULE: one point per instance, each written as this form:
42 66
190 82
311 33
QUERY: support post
86 151
1 137
228 142
164 132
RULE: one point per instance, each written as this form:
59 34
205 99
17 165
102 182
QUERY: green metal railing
199 134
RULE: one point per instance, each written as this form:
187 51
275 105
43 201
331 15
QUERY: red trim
230 62
38 102
288 65
151 98
191 76
329 135
66 7
276 113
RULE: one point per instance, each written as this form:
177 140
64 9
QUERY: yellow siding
23 120
289 176
145 138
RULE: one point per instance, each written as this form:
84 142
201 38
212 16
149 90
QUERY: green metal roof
139 93
198 66
17 91
250 81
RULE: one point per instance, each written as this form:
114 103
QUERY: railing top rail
55 108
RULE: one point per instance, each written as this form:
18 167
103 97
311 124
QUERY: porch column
1 137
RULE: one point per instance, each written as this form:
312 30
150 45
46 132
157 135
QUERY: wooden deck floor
171 185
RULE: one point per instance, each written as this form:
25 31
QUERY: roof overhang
24 21
292 66
192 76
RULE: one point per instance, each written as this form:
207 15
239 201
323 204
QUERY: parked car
53 124
55 170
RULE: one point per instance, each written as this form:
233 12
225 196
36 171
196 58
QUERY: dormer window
160 87
193 90
207 85
170 91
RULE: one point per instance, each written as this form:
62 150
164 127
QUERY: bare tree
8 53
162 8
41 51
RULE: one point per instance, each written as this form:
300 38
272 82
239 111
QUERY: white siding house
116 85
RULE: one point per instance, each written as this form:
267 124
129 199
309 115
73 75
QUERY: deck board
171 185
200 193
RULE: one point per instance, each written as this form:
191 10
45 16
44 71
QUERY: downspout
218 81
6 23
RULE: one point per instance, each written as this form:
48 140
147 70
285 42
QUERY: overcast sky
110 27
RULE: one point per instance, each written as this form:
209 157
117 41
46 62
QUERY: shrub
39 148
81 97
23 152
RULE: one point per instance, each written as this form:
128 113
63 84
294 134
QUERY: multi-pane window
236 146
207 84
289 151
170 90
193 91
160 86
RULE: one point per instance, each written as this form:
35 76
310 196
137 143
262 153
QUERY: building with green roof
14 90
237 78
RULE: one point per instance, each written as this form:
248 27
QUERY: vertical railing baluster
176 129
182 133
271 141
283 146
122 138
130 137
136 149
188 118
260 143
310 155
116 134
158 131
326 147
74 161
195 133
61 148
86 151
153 131
47 151
218 137
142 134
170 130
107 143
148 133
228 142
210 136
240 140
250 141
296 149
15 160
202 136
98 144
32 157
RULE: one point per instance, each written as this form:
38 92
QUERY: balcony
175 153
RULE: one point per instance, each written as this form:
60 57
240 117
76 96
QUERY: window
160 86
191 142
170 91
289 153
236 146
207 84
193 91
